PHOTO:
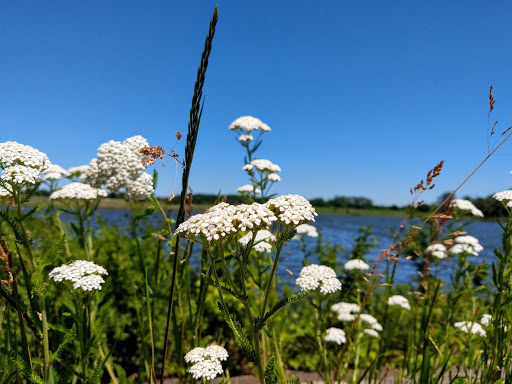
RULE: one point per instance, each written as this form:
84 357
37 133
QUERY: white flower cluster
247 124
223 219
83 274
78 191
318 276
247 188
466 205
4 194
470 327
21 164
374 328
345 310
305 230
486 319
400 301
245 138
336 335
274 177
79 171
356 264
140 189
117 164
261 242
262 165
206 361
292 209
466 244
55 172
437 250
505 197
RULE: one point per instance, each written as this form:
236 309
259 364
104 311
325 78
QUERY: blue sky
363 98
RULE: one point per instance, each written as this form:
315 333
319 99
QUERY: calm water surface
343 229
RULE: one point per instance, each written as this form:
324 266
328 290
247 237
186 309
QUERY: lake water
343 229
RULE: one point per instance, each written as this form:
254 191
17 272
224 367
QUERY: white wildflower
20 175
466 205
84 274
437 250
345 307
79 191
252 216
13 153
371 332
346 316
470 327
55 172
368 318
140 188
274 177
336 335
206 369
486 320
4 193
247 188
261 242
400 301
79 171
135 144
318 276
356 264
466 244
248 124
264 165
292 209
196 355
245 138
504 196
217 352
377 327
305 230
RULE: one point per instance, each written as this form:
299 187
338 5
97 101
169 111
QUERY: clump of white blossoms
336 335
247 188
83 274
318 276
486 319
470 327
79 171
505 197
375 327
55 172
223 219
346 311
117 164
246 124
21 165
245 138
466 205
262 165
78 191
371 332
206 361
356 264
292 209
140 188
400 301
274 177
437 250
466 244
305 230
262 241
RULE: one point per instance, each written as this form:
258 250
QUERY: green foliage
260 323
240 335
270 371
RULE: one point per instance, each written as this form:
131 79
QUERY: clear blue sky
363 98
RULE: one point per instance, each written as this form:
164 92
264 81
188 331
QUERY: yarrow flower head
371 332
21 164
466 244
274 177
79 171
78 191
466 205
305 230
505 197
55 172
345 310
261 242
486 319
400 301
247 188
470 327
437 250
206 361
336 335
140 188
262 165
83 274
356 264
248 124
245 138
292 209
318 276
